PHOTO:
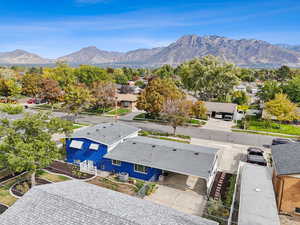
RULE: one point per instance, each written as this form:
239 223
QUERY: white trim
132 135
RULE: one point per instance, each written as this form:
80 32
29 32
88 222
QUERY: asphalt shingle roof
167 155
286 158
257 204
220 107
80 203
106 133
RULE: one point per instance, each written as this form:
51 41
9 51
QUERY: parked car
31 101
228 117
280 141
255 151
256 156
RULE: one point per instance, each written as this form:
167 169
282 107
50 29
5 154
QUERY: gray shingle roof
257 199
106 133
286 158
167 155
80 203
220 107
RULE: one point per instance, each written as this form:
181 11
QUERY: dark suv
280 141
256 156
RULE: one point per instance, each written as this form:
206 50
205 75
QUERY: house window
94 146
140 168
76 144
116 162
297 210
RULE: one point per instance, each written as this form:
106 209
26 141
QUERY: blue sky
53 28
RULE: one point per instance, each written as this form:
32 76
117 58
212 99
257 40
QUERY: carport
196 162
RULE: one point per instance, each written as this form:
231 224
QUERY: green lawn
261 125
98 111
191 121
52 177
120 112
79 125
5 197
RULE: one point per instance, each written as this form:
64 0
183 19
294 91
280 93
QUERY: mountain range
243 52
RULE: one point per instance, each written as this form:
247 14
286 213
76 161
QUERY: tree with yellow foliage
282 108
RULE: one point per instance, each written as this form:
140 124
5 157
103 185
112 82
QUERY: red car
31 101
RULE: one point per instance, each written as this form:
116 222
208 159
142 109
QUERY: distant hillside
244 52
91 55
21 57
295 48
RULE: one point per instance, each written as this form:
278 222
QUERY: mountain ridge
241 52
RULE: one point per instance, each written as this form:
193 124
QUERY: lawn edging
72 178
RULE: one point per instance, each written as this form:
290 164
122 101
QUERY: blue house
92 143
117 148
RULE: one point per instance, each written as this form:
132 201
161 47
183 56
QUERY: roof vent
104 127
88 133
196 153
97 129
133 143
257 190
174 149
153 146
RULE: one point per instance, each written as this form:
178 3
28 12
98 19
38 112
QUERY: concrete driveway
230 154
176 195
218 124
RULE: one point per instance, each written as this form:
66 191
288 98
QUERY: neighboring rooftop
127 97
166 155
257 204
220 107
286 158
106 133
80 203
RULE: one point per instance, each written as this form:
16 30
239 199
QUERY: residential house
81 203
221 108
286 177
92 143
127 100
117 148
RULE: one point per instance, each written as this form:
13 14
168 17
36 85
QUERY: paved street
221 135
195 132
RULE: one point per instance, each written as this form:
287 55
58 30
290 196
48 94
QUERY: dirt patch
68 169
20 188
106 183
7 176
2 208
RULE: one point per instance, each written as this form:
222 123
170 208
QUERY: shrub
230 191
11 109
